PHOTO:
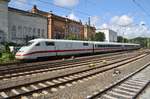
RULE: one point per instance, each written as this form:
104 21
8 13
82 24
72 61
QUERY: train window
116 46
99 46
50 43
38 44
85 44
112 45
106 45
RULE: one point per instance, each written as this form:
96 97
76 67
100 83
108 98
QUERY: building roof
50 14
5 0
27 13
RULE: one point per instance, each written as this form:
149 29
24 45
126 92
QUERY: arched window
25 30
38 32
34 32
13 32
2 36
43 33
20 34
29 31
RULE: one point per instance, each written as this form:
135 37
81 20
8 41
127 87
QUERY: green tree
122 39
143 41
7 49
99 36
119 38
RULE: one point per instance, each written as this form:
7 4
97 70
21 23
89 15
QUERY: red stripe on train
54 51
74 50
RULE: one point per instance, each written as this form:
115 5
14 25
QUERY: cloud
132 31
126 26
72 16
95 20
122 20
66 3
137 31
142 23
104 25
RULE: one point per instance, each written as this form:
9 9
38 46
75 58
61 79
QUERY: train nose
19 55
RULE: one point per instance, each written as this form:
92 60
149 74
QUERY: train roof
95 42
115 43
57 40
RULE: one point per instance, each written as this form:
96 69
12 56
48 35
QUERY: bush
7 49
0 54
11 56
6 55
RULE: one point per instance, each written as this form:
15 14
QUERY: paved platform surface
145 75
145 94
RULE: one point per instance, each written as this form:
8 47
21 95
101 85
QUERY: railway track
14 73
128 87
7 69
47 85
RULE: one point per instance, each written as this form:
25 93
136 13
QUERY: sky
130 18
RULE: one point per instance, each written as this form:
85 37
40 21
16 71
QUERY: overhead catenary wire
82 14
78 11
50 3
141 7
27 4
28 11
18 13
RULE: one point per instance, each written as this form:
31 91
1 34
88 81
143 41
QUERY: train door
68 47
93 47
50 47
38 50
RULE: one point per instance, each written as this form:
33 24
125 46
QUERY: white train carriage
130 46
49 47
107 47
111 46
70 47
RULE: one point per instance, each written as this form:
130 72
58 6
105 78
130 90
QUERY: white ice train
38 48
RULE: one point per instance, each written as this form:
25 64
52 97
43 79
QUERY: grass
6 57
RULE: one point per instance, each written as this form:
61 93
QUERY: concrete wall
3 20
110 35
23 27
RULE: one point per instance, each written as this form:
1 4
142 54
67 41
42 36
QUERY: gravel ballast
84 88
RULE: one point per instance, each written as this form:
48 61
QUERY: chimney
89 21
34 9
51 12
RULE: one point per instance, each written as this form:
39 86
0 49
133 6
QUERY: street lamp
66 26
124 26
147 39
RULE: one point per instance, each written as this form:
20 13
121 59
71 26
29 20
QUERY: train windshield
29 43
